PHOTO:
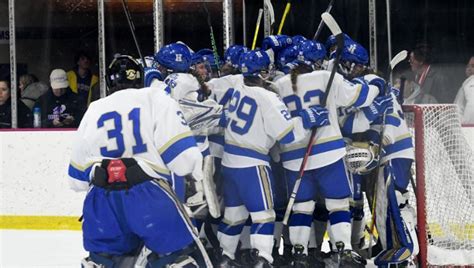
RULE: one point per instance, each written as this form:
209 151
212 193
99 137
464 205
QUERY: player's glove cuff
315 116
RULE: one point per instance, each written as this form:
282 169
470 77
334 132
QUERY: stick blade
402 55
331 23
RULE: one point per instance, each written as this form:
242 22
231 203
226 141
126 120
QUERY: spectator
81 79
60 107
465 96
26 80
24 116
31 89
428 76
412 93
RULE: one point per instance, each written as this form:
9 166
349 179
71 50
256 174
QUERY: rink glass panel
49 34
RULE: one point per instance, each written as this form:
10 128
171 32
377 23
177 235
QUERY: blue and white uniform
221 91
324 168
148 126
257 119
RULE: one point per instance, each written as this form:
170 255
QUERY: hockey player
325 169
127 145
256 120
395 220
362 126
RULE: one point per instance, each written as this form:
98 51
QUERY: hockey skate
300 260
227 262
345 258
259 262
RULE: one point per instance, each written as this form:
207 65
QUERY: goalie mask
361 157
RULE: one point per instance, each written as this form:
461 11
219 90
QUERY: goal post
444 169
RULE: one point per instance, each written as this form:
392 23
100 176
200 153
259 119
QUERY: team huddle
190 162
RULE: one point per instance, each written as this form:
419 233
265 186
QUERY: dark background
50 32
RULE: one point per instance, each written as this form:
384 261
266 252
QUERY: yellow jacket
72 78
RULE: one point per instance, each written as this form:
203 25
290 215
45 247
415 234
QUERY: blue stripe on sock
339 216
262 228
301 220
230 229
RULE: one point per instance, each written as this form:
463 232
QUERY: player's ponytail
295 72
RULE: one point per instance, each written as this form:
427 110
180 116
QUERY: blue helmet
276 42
298 39
331 41
233 53
355 53
286 55
310 52
253 62
203 55
175 56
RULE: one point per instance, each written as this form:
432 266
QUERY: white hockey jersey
145 124
398 141
328 146
256 120
185 86
222 89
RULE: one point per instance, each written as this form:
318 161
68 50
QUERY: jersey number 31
116 133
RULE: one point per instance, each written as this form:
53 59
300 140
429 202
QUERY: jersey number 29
245 110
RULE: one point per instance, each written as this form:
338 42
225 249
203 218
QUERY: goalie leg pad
399 243
209 187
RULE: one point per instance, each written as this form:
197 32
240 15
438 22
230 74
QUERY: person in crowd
24 116
31 89
81 79
60 107
465 96
26 80
430 78
412 93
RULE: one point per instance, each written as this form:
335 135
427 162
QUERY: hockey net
444 170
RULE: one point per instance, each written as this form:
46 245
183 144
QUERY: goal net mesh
444 170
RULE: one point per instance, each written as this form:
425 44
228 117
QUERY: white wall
33 173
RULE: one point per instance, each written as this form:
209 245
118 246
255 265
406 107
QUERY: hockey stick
283 18
334 27
132 29
257 28
321 24
394 62
213 39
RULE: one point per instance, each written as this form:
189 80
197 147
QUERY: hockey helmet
124 72
175 57
254 62
311 52
233 53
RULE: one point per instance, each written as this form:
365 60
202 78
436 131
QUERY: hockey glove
377 81
150 75
315 116
379 106
276 42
